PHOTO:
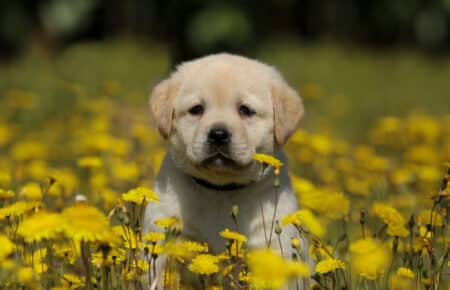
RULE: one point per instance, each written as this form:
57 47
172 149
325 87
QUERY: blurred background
352 61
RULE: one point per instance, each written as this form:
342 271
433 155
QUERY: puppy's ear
161 105
288 110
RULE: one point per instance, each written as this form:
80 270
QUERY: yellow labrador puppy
216 112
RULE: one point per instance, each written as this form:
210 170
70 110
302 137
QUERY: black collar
219 187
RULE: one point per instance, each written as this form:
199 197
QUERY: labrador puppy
215 113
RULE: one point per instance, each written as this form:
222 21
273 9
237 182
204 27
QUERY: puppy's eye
196 110
246 111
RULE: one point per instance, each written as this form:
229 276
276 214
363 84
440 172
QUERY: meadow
370 166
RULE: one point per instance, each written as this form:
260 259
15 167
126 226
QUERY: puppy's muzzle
219 136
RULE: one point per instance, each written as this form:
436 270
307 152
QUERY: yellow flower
27 150
405 272
368 258
183 250
89 162
42 225
154 237
230 235
140 195
331 204
329 265
270 271
267 159
204 264
304 218
6 248
403 279
392 218
18 209
71 281
5 194
87 223
170 222
27 276
114 257
31 191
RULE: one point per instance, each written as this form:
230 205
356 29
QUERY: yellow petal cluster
268 270
140 195
204 264
329 265
368 258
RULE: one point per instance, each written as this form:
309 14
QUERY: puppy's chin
220 162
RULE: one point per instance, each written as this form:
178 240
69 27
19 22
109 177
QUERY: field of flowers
73 186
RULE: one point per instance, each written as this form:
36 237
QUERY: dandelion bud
234 212
278 228
276 181
51 180
362 216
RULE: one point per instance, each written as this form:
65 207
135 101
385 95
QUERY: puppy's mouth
218 160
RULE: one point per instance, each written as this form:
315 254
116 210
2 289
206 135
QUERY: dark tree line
196 27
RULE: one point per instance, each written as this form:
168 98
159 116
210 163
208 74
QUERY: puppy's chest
205 215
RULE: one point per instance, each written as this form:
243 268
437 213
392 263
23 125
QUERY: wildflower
71 281
391 217
6 248
319 251
140 195
126 171
204 264
114 257
183 250
368 258
18 209
87 223
329 265
230 235
171 222
267 159
42 225
269 270
26 276
5 194
405 272
304 218
27 150
403 279
31 191
154 237
89 162
333 205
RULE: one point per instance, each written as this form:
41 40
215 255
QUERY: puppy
215 113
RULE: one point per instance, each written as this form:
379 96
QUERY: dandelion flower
42 225
140 195
306 219
87 223
18 209
31 191
6 248
154 237
204 264
269 270
392 218
329 265
267 159
168 222
403 279
368 258
235 236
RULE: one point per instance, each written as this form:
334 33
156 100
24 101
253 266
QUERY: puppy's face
219 110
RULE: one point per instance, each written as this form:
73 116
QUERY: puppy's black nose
219 136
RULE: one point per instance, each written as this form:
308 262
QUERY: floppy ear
288 110
161 105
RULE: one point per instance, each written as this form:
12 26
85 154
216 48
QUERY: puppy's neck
220 187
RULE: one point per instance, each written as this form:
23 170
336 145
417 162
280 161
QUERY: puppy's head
217 111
